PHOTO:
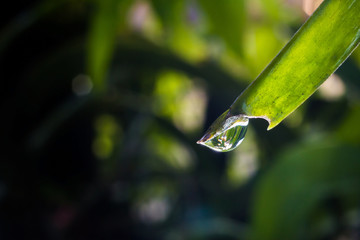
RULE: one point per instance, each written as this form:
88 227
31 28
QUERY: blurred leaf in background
102 103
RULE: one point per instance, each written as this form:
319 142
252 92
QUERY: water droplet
226 133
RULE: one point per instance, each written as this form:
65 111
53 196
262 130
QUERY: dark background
102 103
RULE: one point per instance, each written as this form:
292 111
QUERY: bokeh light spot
333 88
81 85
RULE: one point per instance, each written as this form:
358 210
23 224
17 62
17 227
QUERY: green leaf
102 40
349 129
320 46
180 32
226 13
291 192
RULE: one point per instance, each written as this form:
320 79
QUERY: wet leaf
320 46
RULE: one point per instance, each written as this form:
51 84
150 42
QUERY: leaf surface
319 47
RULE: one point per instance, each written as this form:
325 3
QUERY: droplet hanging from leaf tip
226 133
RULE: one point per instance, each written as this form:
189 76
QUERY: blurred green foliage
102 103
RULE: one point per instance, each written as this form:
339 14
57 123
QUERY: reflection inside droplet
228 139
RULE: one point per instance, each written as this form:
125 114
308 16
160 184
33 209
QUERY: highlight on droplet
226 133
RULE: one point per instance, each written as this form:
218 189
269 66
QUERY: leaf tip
272 124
